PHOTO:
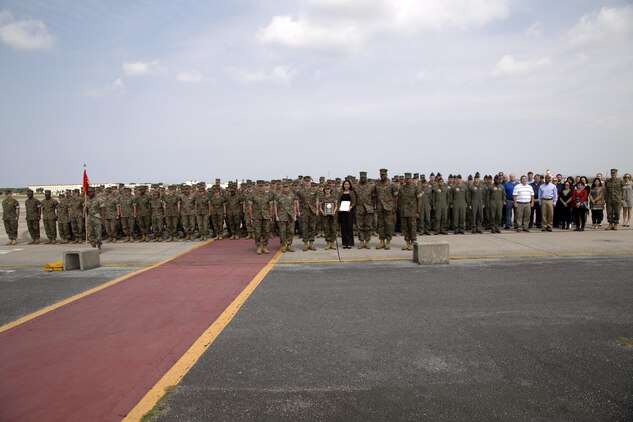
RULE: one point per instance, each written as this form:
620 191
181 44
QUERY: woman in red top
579 204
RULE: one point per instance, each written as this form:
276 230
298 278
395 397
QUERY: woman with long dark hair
580 205
564 205
596 203
346 218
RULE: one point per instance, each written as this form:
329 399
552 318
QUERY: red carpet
95 358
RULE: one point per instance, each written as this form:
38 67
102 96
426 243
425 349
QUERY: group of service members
410 204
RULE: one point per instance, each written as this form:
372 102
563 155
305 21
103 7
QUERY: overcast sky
165 91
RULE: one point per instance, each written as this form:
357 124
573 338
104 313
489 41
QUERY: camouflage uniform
49 216
614 195
201 203
217 213
126 213
77 216
33 207
409 198
63 219
364 211
233 207
248 223
260 206
111 206
187 214
285 210
329 222
143 217
94 220
308 204
10 207
172 200
386 207
157 206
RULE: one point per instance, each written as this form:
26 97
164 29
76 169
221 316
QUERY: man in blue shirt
548 195
509 187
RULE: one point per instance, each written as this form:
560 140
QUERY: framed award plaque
329 208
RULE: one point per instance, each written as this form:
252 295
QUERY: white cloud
115 89
278 74
347 25
26 34
603 28
189 77
142 68
508 67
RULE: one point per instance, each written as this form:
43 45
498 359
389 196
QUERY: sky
164 91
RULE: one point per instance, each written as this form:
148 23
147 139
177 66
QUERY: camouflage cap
363 174
260 183
47 191
432 174
407 175
415 175
383 171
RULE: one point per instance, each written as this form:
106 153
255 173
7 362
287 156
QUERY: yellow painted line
319 261
91 291
191 356
138 264
460 257
539 255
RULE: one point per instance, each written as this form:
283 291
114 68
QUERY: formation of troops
410 204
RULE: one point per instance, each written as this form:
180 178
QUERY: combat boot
610 227
405 246
283 248
49 241
259 250
159 238
53 241
220 237
305 246
265 249
289 248
615 227
203 238
381 245
387 245
311 246
361 245
63 242
37 241
14 242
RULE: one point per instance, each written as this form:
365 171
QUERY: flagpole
85 219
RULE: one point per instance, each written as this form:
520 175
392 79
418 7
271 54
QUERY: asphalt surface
25 290
516 340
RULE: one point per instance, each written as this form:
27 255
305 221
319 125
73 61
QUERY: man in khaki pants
523 200
548 195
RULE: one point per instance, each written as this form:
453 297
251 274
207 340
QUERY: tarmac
519 326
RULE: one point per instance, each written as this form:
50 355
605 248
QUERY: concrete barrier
427 253
85 259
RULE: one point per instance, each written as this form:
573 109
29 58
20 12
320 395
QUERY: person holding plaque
328 208
347 199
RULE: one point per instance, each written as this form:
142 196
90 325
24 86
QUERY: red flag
86 181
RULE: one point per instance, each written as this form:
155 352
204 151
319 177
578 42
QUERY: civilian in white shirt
523 201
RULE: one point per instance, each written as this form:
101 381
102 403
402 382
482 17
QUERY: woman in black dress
346 218
564 205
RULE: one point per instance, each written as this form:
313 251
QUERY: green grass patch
160 408
625 342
